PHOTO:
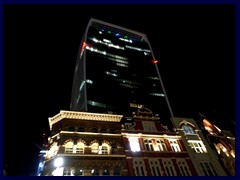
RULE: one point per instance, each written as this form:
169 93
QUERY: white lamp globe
58 162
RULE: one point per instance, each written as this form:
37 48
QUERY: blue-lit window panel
188 129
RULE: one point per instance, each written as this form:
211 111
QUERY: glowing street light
58 162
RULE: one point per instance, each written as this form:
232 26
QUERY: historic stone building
94 144
204 159
88 143
152 150
223 143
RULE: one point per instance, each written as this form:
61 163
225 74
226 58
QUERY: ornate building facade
223 143
94 144
89 144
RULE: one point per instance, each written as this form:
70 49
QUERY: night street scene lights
58 162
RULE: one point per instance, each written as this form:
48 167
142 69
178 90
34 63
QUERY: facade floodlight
58 162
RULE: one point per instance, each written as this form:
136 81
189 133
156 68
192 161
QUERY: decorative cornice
83 116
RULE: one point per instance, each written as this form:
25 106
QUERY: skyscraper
116 72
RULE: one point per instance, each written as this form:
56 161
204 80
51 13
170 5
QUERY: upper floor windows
161 145
174 145
149 126
69 147
134 144
197 146
148 145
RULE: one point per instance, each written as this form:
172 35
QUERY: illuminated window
174 145
94 148
134 144
94 103
105 149
69 147
184 169
197 146
148 145
161 145
80 148
188 129
208 169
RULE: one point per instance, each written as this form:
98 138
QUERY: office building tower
116 72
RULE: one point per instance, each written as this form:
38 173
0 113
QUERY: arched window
80 148
69 147
94 148
188 129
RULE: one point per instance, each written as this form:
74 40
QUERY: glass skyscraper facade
116 72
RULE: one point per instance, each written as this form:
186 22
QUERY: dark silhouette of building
116 72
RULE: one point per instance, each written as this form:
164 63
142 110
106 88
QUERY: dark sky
195 46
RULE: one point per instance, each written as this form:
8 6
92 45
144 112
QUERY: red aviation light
154 61
83 47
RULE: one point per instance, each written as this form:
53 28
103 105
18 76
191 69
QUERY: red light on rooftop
154 61
83 47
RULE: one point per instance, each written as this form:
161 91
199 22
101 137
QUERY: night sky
195 46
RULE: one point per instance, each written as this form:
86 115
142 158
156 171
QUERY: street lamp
58 162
